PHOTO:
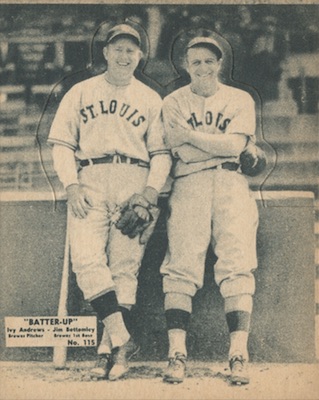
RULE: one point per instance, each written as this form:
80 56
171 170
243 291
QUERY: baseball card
159 200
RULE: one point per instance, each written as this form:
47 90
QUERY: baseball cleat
239 371
102 367
175 372
121 356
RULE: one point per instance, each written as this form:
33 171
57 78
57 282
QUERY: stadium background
45 49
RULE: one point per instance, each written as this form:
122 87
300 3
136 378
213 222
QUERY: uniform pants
211 207
104 259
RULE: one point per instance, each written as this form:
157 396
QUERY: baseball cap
208 41
123 29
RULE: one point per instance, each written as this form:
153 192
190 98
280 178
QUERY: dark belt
231 166
114 158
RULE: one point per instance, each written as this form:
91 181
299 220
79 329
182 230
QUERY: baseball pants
211 207
104 259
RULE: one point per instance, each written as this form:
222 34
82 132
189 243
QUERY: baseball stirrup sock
177 319
238 321
127 318
105 305
238 324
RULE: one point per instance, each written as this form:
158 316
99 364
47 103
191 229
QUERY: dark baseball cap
123 30
207 41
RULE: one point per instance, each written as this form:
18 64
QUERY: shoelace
237 360
102 360
172 361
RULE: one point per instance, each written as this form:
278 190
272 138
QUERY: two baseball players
208 125
109 150
111 124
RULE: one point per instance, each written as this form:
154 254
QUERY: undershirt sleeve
160 167
65 165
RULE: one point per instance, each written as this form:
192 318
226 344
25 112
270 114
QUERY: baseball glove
252 160
139 215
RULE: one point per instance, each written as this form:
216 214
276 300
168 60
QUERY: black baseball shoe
239 370
175 372
102 367
121 355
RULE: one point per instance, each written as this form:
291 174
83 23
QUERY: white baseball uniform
210 204
95 119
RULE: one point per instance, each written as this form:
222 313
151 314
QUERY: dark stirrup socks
105 305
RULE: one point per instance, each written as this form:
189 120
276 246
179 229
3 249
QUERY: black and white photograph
159 200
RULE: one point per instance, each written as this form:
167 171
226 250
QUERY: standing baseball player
110 155
208 126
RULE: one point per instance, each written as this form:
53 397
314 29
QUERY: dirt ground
36 380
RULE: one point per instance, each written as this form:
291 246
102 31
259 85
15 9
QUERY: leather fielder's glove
252 160
139 215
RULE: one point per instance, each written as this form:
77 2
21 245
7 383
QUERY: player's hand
78 201
253 160
142 213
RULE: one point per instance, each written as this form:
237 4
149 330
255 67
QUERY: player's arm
160 166
197 145
64 137
160 161
190 154
140 213
65 166
181 137
239 131
217 145
160 156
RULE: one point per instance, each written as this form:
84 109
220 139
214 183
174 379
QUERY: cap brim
207 42
124 30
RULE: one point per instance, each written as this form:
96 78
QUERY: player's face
122 56
202 65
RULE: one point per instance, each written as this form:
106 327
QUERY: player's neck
116 80
204 90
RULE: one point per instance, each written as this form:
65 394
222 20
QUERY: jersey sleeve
244 120
65 126
155 137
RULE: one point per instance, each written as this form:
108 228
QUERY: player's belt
114 159
231 166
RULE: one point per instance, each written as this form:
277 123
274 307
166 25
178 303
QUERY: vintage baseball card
159 200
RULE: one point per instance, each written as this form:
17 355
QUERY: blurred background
45 49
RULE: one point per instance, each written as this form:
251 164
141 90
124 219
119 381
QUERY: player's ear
105 52
185 64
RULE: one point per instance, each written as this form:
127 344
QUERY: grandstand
35 58
40 61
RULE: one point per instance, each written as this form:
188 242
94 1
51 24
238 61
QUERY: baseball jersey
96 118
228 111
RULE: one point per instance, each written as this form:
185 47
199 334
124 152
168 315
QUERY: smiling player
111 126
208 125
